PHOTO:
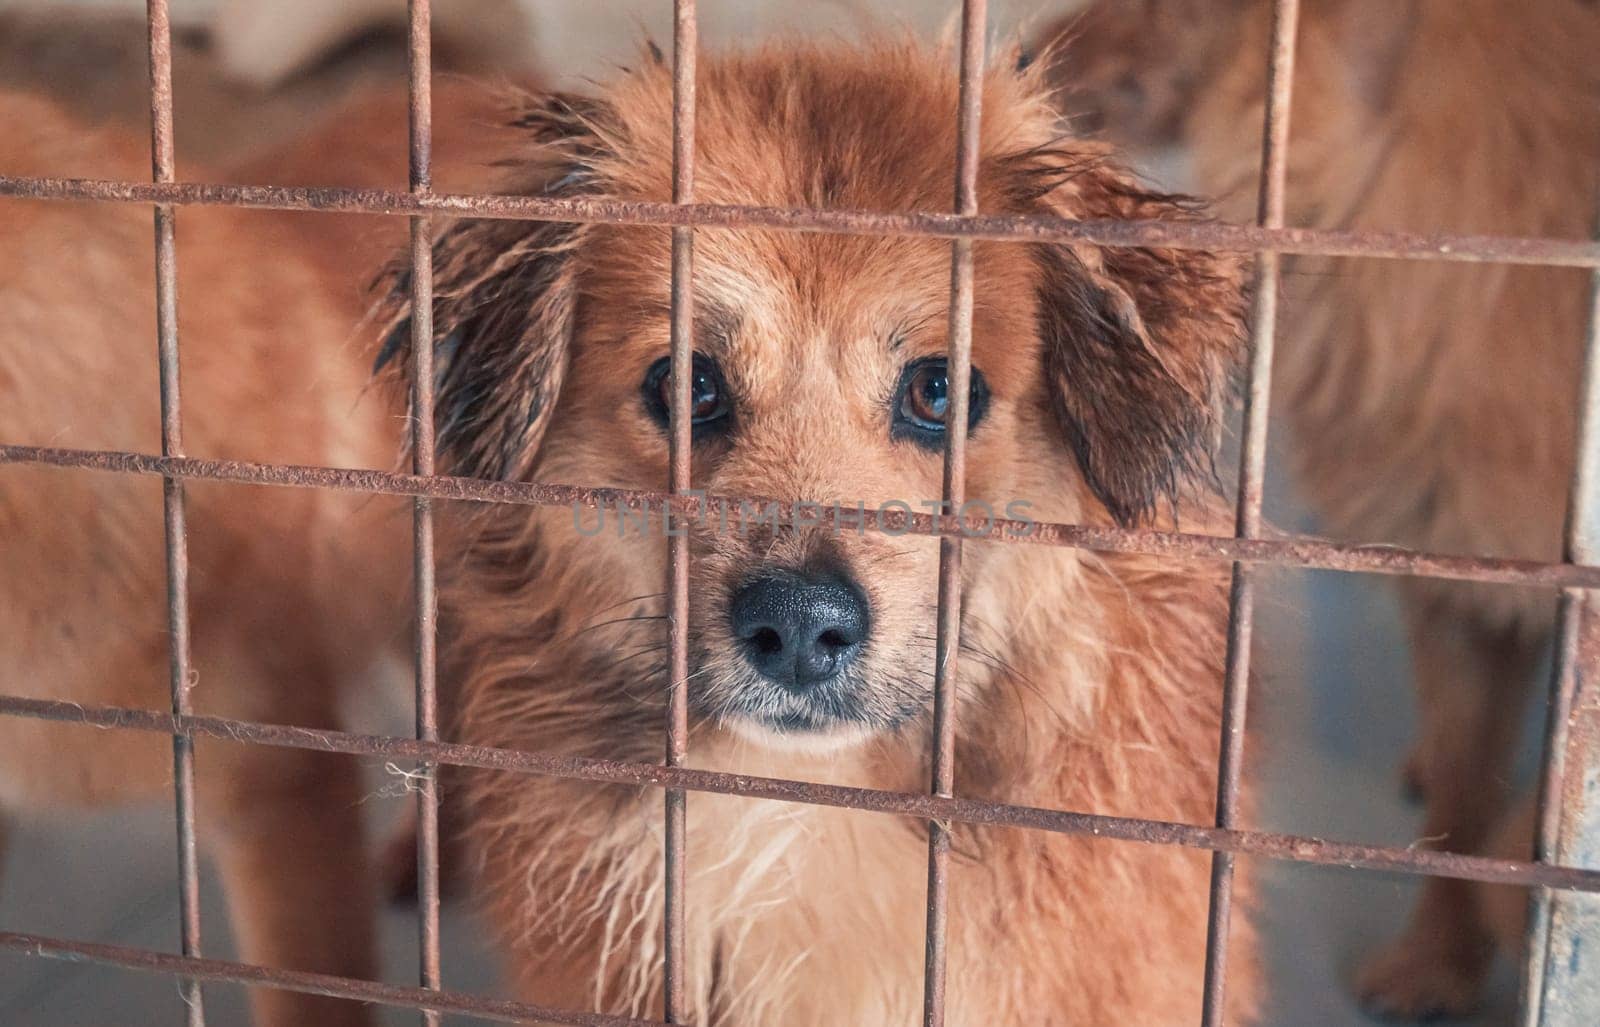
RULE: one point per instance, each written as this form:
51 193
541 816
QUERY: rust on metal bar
1295 551
223 972
958 368
918 805
163 169
1568 841
1567 823
419 71
685 47
1247 517
995 227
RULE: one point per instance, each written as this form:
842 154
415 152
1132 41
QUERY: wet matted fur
1430 405
1087 682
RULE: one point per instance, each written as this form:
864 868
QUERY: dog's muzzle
799 632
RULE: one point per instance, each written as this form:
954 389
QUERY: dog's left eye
708 403
922 403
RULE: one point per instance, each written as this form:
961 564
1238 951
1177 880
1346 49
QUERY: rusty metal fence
1565 903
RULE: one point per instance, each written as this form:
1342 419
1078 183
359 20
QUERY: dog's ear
1141 352
504 308
503 315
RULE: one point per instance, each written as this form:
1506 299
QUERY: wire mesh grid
939 806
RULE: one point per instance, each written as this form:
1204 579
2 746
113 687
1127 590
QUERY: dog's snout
799 631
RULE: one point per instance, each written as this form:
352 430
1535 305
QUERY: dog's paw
1417 981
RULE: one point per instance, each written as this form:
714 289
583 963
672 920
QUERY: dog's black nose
799 631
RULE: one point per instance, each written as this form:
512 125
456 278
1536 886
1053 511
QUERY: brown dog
294 594
1430 405
1088 683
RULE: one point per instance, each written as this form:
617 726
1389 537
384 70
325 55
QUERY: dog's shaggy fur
1431 405
1087 683
294 594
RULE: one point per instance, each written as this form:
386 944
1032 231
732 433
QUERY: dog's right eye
922 402
708 403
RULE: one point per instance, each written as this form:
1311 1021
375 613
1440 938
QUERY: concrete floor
110 879
1330 724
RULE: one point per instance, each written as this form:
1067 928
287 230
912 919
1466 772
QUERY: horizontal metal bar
1297 551
1004 228
225 972
921 805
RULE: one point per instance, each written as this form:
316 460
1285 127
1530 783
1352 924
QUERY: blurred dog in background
295 593
265 45
1430 405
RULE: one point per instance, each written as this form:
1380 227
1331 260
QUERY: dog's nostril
834 639
766 640
799 631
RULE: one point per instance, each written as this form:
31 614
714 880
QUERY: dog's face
820 363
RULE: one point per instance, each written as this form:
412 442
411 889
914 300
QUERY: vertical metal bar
1567 825
1247 518
685 44
419 71
163 166
974 18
